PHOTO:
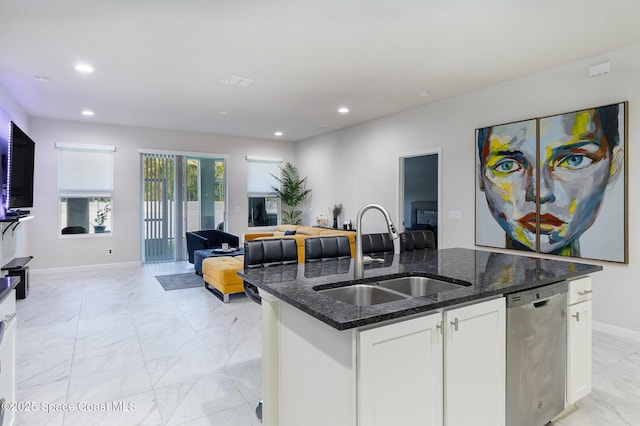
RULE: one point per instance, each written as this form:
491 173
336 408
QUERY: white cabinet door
579 351
8 355
475 345
400 373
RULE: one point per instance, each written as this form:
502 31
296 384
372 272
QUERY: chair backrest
270 252
377 244
317 249
264 253
417 240
208 238
74 230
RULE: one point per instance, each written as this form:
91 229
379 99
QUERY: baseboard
616 331
81 268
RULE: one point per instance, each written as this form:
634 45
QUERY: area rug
180 281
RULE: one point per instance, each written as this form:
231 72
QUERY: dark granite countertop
486 274
6 285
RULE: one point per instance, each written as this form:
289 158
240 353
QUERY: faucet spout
358 271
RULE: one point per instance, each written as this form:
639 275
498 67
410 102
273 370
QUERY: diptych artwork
555 185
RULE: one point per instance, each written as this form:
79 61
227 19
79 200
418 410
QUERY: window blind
85 170
260 175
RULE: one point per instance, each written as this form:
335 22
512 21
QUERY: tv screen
20 165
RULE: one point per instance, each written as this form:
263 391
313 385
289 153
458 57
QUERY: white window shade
260 175
85 170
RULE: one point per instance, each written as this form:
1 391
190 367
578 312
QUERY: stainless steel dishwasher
536 354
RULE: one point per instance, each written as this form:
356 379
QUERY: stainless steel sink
362 295
418 286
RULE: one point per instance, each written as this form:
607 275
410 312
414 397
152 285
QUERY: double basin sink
390 290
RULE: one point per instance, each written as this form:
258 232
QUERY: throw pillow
290 233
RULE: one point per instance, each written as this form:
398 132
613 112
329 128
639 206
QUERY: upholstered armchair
208 239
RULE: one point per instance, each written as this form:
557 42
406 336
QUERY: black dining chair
318 249
265 253
417 240
377 244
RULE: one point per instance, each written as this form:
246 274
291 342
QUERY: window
85 187
264 208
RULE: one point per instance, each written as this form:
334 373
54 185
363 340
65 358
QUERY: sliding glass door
179 193
206 194
158 207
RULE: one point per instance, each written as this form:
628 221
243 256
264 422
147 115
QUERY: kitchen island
329 362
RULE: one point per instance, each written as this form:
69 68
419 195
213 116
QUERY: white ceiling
159 63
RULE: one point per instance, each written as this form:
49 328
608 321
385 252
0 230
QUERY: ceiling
161 63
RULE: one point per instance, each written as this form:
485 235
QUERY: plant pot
335 223
99 229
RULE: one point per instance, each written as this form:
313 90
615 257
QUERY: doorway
420 190
179 193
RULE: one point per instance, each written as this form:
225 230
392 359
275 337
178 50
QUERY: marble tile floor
116 348
119 350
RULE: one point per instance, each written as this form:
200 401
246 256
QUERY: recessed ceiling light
343 110
84 68
223 113
278 133
87 112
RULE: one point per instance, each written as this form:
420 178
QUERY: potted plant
101 218
292 192
335 211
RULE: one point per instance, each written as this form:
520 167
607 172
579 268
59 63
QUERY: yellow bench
220 276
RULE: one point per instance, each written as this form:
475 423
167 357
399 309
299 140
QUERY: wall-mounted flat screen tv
19 167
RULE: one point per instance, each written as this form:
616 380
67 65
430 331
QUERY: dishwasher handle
541 303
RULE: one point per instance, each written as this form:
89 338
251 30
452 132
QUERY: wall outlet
455 215
110 251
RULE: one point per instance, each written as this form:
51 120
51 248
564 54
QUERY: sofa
301 233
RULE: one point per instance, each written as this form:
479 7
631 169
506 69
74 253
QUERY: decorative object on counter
322 221
292 192
336 211
101 218
581 192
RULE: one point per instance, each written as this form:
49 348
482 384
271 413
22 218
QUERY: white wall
13 244
47 246
358 165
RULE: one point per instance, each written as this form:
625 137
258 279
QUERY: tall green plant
292 192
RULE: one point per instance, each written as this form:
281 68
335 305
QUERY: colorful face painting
555 191
507 162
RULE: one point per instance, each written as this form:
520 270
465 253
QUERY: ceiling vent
237 81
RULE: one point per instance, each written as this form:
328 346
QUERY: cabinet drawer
579 290
8 305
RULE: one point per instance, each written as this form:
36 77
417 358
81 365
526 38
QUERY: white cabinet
441 368
474 379
410 374
400 373
8 355
579 340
